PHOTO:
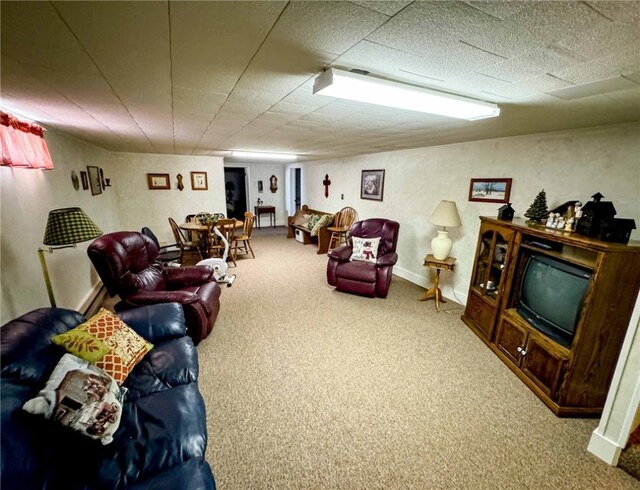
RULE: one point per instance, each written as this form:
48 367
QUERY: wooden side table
447 264
270 210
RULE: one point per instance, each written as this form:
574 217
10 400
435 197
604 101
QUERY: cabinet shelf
585 259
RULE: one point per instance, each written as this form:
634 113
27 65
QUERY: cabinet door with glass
494 247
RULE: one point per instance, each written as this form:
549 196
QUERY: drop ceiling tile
620 12
277 117
620 63
533 86
332 27
33 31
212 42
297 109
390 8
445 22
197 101
532 65
604 40
132 56
551 22
500 9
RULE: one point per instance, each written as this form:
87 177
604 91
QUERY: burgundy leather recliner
128 264
364 278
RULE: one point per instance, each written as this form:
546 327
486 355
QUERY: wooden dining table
203 231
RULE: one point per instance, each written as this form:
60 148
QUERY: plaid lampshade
69 226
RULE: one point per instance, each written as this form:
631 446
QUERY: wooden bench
323 236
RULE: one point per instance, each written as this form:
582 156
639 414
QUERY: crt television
551 296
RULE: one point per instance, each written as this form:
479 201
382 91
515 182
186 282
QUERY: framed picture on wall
94 180
199 181
158 181
490 190
260 186
372 185
85 180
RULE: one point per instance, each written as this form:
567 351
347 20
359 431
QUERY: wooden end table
447 264
270 210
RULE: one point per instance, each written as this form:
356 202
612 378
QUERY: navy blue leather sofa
162 436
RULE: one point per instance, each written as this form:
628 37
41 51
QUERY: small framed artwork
490 190
199 181
94 180
372 185
85 180
158 181
260 187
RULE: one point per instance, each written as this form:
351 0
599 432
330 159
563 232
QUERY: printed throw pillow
312 221
364 249
302 220
82 397
126 347
325 220
82 344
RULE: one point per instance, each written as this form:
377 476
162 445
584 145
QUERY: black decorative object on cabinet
506 212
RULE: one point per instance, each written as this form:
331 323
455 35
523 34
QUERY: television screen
551 296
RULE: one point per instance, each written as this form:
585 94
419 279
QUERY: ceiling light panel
253 155
362 88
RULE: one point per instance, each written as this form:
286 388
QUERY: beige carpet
308 388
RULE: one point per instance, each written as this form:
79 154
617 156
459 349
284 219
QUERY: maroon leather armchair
364 278
128 264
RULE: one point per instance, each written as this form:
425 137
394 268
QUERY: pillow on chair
365 249
325 220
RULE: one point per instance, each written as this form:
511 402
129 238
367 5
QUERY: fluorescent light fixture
263 156
363 88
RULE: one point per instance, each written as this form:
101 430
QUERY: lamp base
441 245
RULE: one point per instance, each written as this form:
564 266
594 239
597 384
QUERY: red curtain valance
23 144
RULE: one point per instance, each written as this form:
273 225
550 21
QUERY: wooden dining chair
342 223
227 227
243 242
188 249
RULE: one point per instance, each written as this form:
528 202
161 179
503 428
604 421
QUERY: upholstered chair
128 264
360 277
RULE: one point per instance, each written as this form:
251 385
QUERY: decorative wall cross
326 182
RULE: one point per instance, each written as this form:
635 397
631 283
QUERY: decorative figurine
506 212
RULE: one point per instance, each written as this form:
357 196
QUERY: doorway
236 192
297 188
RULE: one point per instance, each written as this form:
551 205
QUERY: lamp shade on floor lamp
445 215
65 228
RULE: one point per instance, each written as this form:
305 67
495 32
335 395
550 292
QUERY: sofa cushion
81 397
83 344
357 271
157 432
168 365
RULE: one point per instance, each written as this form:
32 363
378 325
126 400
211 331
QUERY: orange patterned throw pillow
126 347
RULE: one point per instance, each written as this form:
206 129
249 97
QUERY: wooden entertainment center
573 379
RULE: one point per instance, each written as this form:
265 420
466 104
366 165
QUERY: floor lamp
65 229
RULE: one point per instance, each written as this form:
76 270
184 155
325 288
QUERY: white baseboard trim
447 291
605 449
92 299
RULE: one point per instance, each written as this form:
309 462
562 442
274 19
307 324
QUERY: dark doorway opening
236 192
297 187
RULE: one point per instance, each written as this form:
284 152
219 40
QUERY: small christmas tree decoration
538 211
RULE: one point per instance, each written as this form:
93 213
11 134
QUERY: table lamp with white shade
445 215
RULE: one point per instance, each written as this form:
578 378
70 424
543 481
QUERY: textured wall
27 197
140 206
568 165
